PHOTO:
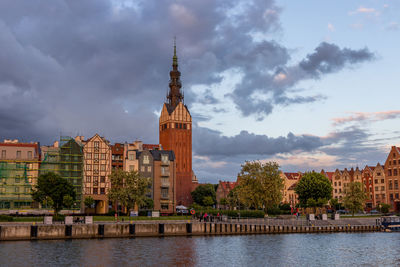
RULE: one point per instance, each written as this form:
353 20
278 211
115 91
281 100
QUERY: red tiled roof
330 175
150 146
292 175
228 186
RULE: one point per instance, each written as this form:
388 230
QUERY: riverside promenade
38 231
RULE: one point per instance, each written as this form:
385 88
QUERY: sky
309 84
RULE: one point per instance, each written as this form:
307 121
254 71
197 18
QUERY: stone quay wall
107 230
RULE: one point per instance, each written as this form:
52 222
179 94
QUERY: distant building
392 169
97 170
223 190
159 166
19 166
65 157
368 184
117 156
290 180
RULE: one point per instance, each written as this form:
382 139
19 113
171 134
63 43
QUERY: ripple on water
339 249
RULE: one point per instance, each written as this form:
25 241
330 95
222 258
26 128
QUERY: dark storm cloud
329 58
209 142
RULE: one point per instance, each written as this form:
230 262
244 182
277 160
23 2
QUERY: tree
313 186
202 191
55 191
223 201
384 208
260 185
208 201
148 204
233 198
334 202
89 201
354 197
128 188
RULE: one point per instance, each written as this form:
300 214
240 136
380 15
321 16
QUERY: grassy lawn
28 219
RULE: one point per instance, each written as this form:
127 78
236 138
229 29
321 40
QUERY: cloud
365 10
331 27
207 142
367 116
329 58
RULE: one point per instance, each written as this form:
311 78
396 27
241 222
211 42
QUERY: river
338 249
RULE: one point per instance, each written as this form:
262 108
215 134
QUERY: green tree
260 185
354 197
51 189
208 201
334 202
384 208
202 191
89 201
223 201
233 198
68 201
314 186
128 188
148 204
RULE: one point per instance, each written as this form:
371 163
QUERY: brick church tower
176 134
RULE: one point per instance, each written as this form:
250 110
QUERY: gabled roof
329 175
292 175
156 154
227 186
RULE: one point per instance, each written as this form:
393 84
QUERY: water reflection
339 249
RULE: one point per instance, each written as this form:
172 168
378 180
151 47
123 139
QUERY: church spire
174 96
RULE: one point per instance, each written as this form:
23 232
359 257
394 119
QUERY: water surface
338 249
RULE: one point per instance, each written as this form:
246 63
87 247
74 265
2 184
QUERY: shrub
234 213
58 217
6 218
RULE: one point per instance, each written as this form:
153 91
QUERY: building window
389 172
88 179
390 185
391 196
164 158
378 174
102 191
102 167
131 156
148 168
87 190
376 196
382 181
396 184
376 188
184 126
96 144
376 181
89 155
164 171
383 196
176 125
335 190
382 188
164 206
335 184
88 167
340 190
102 179
95 167
395 172
95 191
394 162
142 169
16 189
17 180
29 154
131 168
18 154
146 159
102 156
340 184
164 192
96 155
396 195
3 154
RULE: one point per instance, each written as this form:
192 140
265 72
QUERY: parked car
374 212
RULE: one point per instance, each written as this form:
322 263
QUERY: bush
58 217
6 218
